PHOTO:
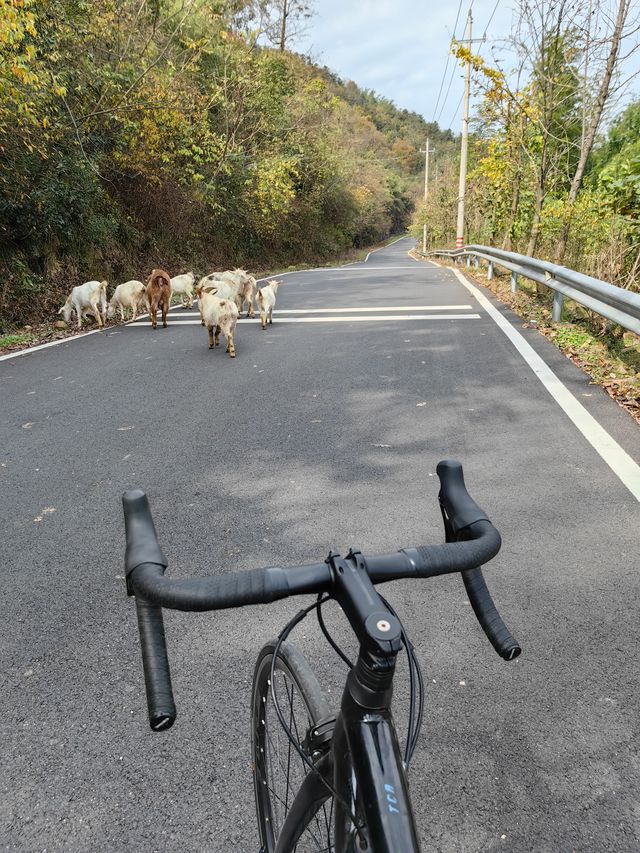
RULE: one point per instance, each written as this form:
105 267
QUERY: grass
11 341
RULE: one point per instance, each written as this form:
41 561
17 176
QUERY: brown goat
158 296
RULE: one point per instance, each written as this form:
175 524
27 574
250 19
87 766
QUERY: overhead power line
457 110
495 9
444 74
482 41
446 97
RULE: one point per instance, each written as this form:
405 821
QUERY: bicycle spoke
281 729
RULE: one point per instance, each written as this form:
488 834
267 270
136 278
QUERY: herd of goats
221 298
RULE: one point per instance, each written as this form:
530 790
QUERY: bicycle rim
278 768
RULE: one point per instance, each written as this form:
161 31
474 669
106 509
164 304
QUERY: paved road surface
318 434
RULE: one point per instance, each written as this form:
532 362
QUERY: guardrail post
490 271
514 282
556 313
477 260
468 261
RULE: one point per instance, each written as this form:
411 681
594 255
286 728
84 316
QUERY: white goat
266 301
131 295
222 289
182 285
246 285
219 315
90 297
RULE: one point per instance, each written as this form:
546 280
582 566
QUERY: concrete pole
465 141
426 170
426 192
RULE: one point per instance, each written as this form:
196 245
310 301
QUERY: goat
131 295
182 285
266 300
158 296
249 290
218 315
246 287
223 290
84 298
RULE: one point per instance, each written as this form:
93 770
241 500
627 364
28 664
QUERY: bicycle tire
303 704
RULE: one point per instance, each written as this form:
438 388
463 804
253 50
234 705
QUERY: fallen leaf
419 405
46 511
125 428
28 425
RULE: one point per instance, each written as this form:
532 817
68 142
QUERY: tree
281 21
593 115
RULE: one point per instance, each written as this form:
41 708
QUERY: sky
399 49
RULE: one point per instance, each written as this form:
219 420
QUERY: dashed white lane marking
334 319
622 465
360 310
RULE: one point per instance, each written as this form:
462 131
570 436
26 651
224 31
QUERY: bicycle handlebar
471 541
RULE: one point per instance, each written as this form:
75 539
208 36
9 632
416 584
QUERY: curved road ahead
324 432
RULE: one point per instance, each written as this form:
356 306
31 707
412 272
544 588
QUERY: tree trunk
283 24
537 216
535 225
590 135
507 240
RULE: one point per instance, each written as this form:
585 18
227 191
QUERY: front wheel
278 768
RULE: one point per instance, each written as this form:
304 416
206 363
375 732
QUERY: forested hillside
137 133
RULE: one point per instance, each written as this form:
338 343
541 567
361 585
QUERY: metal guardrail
618 305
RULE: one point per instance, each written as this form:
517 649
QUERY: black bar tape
488 617
256 586
458 504
157 678
458 556
142 542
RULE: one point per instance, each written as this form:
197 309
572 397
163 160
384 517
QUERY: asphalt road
319 434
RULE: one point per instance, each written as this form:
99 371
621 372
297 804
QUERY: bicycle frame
370 741
364 762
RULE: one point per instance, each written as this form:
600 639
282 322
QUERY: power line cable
495 9
483 40
444 102
444 75
455 115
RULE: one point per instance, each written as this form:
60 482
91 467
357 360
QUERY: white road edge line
622 465
75 337
49 344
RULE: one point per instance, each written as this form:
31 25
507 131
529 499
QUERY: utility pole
465 141
427 151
